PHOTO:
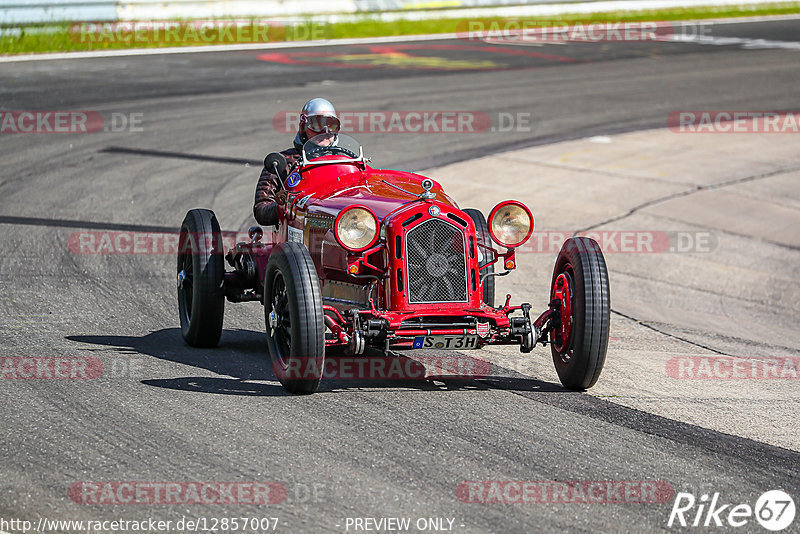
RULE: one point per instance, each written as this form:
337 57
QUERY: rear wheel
201 271
295 319
482 234
580 339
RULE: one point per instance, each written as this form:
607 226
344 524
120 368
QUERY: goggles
322 123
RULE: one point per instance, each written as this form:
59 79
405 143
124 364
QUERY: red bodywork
374 284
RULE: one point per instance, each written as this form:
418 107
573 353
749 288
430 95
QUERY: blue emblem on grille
293 179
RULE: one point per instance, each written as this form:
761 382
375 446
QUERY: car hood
371 189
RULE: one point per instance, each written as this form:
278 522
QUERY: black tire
484 238
201 296
580 360
297 341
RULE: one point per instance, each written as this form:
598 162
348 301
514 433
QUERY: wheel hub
273 321
562 293
278 318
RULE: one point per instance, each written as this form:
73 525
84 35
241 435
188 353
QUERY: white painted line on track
749 44
309 44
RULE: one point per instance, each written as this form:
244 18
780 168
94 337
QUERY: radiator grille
436 263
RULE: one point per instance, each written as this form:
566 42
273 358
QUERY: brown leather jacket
265 208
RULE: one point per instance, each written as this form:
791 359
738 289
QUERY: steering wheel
330 150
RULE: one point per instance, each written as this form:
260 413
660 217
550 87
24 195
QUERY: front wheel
295 318
580 337
201 271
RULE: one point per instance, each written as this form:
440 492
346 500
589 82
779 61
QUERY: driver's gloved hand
266 214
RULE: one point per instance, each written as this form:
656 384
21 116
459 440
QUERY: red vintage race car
371 259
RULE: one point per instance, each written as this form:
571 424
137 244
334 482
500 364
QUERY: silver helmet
318 115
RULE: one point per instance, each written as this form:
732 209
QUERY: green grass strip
66 37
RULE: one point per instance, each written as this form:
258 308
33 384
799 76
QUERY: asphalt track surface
165 412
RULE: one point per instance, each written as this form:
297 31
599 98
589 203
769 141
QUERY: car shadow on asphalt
242 359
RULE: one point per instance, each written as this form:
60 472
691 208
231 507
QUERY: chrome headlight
356 228
510 223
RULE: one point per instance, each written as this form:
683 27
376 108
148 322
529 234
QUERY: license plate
464 342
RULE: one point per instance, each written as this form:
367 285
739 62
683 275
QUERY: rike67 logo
774 510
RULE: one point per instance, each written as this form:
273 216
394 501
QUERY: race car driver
317 116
